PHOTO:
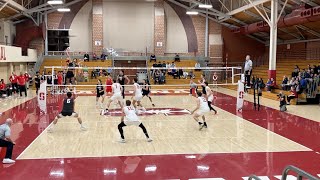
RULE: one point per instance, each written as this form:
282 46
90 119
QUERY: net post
232 75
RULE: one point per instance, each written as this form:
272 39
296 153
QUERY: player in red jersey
60 80
14 82
109 83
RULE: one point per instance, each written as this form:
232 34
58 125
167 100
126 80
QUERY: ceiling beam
246 7
15 5
308 30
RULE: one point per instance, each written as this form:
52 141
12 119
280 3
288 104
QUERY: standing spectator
283 102
37 79
248 70
14 82
153 58
6 141
177 58
22 84
215 79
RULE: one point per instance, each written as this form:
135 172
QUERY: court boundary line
205 153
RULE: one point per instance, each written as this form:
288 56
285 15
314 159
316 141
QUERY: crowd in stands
103 56
160 70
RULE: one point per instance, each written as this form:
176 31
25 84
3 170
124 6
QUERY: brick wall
37 44
159 28
54 20
97 26
199 23
215 47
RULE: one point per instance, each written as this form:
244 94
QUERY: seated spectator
261 84
94 56
293 94
284 83
180 73
191 75
215 79
197 67
303 84
185 74
93 74
296 71
174 73
86 57
153 58
193 87
270 84
177 58
103 56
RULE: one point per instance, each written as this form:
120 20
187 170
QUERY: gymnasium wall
128 25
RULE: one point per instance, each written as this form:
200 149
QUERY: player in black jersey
146 91
37 81
67 110
121 79
100 93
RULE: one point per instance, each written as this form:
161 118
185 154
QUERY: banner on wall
240 94
42 97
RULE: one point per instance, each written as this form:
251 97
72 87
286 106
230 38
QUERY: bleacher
108 63
171 81
284 67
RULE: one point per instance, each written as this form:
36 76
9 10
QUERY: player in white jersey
137 94
201 109
130 118
116 95
209 94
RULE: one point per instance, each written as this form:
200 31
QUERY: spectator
177 58
315 69
185 74
270 84
191 75
197 67
28 78
94 56
153 58
296 71
284 83
180 73
215 79
3 89
248 70
103 56
303 84
261 83
86 57
37 79
193 87
293 94
6 141
22 84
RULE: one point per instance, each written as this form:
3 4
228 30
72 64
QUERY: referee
248 70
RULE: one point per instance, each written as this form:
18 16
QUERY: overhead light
192 12
55 2
206 6
63 10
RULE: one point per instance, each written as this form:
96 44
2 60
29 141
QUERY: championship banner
240 94
42 97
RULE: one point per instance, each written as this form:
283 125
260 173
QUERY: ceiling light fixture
192 13
55 2
206 6
63 10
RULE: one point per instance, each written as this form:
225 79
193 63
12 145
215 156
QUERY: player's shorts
116 96
201 112
137 97
108 90
145 93
210 98
59 82
72 114
131 123
100 94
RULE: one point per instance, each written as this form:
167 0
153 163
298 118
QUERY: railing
312 88
300 173
310 53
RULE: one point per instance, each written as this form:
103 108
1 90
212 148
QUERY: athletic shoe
8 161
82 128
153 105
204 126
201 126
102 112
122 141
149 140
215 112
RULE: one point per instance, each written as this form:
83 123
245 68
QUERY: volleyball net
86 78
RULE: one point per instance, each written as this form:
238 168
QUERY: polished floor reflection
234 146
